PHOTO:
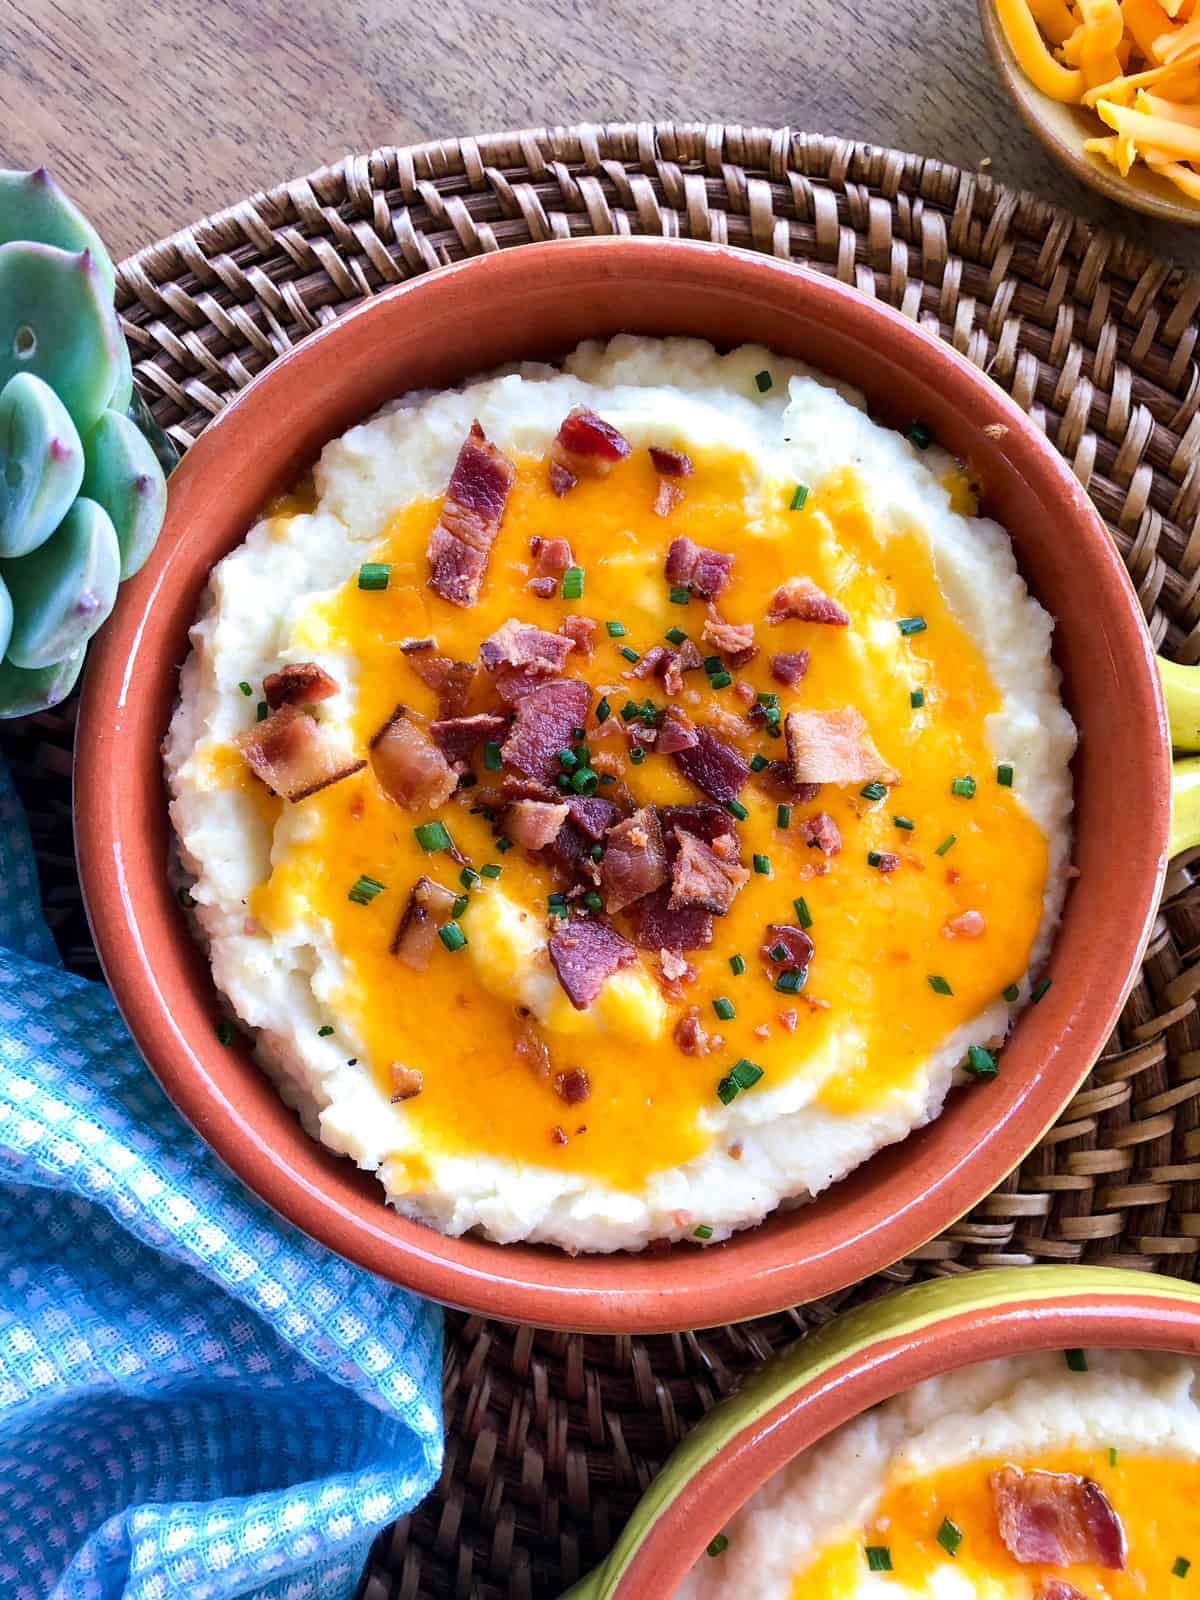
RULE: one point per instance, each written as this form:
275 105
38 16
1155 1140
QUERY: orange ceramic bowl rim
534 303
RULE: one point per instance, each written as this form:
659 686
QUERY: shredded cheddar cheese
1136 63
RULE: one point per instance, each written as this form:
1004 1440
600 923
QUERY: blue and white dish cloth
196 1401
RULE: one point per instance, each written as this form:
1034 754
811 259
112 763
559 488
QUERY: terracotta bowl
537 303
859 1360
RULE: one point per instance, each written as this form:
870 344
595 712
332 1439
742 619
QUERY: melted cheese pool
867 1048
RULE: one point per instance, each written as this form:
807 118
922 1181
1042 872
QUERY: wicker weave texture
551 1437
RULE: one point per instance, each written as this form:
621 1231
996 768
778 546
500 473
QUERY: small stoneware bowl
536 303
1064 129
859 1360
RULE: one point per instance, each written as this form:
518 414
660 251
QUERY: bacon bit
459 737
1056 1588
763 1031
888 861
674 969
551 558
659 926
472 511
356 807
557 1135
450 681
821 831
291 755
1057 1519
952 875
834 747
531 1048
717 768
744 692
691 566
667 497
584 954
533 824
813 1004
800 598
635 860
573 1086
300 683
519 656
605 761
428 906
732 639
690 1034
777 776
542 727
583 433
701 878
789 1019
678 732
561 478
648 666
582 633
735 1150
795 941
406 1082
672 674
681 1219
250 927
671 463
789 666
410 769
411 646
967 925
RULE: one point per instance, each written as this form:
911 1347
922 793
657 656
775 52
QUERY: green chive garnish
679 596
224 1032
938 984
603 711
616 630
916 698
503 845
1011 993
563 781
906 823
720 680
719 1545
980 1063
745 1073
452 936
365 889
675 635
803 914
762 865
432 836
779 952
909 625
783 816
637 755
629 710
736 809
467 877
1004 775
919 434
490 870
879 1558
245 688
704 1232
629 653
262 711
593 901
374 575
762 381
946 844
713 664
459 906
584 781
963 787
724 1009
572 584
597 852
873 858
491 756
737 966
1038 990
324 1032
757 762
873 791
1076 1360
1112 1455
767 698
568 760
799 497
791 981
1181 1568
949 1537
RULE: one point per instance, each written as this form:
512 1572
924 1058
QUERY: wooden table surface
154 112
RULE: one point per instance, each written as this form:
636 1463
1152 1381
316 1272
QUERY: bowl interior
536 303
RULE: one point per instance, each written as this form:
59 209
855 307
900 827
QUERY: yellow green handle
1181 687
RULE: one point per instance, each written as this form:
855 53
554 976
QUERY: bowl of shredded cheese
1112 88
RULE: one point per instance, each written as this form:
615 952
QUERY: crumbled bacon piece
406 1082
671 463
666 498
532 1049
716 767
459 737
707 822
821 831
648 666
521 644
886 861
678 732
690 659
967 925
700 876
672 673
584 954
789 1019
800 598
300 683
1057 1519
551 558
634 861
661 926
744 691
412 646
690 1033
558 1136
777 775
834 747
472 511
533 824
789 666
292 755
674 968
450 681
583 433
795 943
573 1086
1057 1589
429 905
542 727
591 815
693 566
582 633
410 768
735 640
561 478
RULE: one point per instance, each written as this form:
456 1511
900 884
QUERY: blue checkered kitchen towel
195 1400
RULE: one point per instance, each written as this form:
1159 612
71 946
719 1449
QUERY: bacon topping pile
1056 1519
834 747
584 954
410 768
301 683
292 755
472 511
635 860
693 566
800 598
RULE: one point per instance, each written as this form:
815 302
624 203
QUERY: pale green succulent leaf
41 464
122 395
57 321
123 476
6 617
64 590
32 206
22 693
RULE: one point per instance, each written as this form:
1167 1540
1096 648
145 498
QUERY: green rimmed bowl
856 1362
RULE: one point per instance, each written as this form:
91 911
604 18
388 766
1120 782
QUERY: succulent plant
82 462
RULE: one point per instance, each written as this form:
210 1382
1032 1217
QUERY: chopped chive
593 901
374 575
432 836
572 584
245 688
558 898
261 711
737 966
938 984
919 434
906 823
799 497
963 787
597 852
766 697
713 664
783 816
745 1073
1004 775
1076 1360
224 1031
873 791
946 844
916 698
324 1031
577 734
1038 990
675 635
803 914
703 1232
568 760
563 781
679 595
909 625
629 710
879 1558
490 870
724 1009
491 756
757 762
603 711
873 858
980 1063
736 809
720 680
719 1545
779 952
607 777
585 782
949 1537
365 889
467 781
616 630
630 653
762 865
1181 1568
1112 1455
452 936
1011 993
637 755
459 906
762 381
468 877
503 845
792 981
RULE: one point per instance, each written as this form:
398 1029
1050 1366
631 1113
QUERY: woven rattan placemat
551 1437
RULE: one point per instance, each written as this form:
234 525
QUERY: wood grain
154 112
